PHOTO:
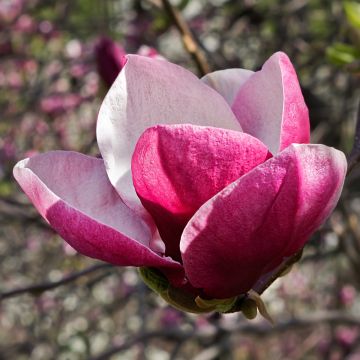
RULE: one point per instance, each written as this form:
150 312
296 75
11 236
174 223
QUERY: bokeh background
57 304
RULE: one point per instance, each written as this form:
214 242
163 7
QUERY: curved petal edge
72 192
271 107
227 82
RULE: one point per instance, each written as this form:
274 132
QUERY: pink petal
146 93
227 82
270 105
177 168
247 229
72 192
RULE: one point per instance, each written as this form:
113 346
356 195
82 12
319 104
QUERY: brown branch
303 321
187 37
354 157
259 330
169 334
37 289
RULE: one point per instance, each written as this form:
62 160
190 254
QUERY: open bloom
212 182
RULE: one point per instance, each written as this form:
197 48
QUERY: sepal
176 297
249 304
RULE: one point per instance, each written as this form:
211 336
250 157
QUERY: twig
175 351
354 157
169 334
187 37
260 330
39 288
298 322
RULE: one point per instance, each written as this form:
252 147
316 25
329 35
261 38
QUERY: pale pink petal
146 93
247 229
227 82
72 192
177 168
270 105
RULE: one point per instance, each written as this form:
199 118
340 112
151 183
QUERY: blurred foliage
352 11
50 94
348 54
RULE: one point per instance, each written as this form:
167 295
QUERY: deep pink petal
177 168
248 228
110 59
227 82
270 105
146 93
72 192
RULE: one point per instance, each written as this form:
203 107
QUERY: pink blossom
46 27
8 149
347 336
30 66
10 9
79 70
347 295
212 182
15 81
60 103
25 24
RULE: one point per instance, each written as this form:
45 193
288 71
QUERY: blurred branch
260 330
37 289
169 334
187 37
354 157
13 211
330 318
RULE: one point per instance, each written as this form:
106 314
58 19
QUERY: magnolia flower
207 185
